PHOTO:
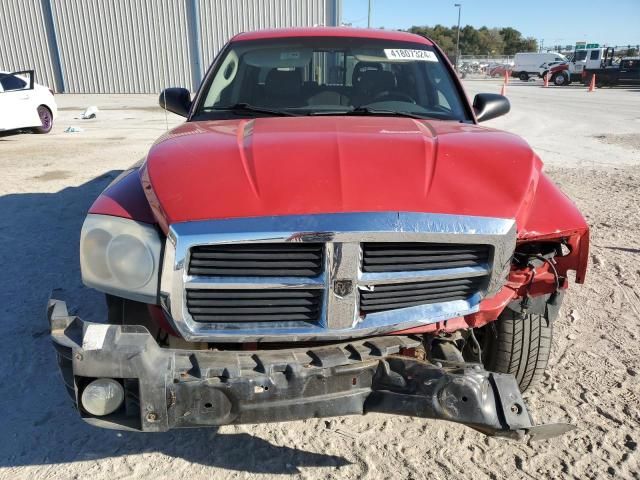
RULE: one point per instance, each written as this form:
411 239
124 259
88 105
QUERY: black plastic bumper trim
182 388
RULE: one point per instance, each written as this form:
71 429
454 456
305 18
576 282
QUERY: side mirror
490 105
176 100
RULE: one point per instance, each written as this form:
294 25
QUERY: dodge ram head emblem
342 288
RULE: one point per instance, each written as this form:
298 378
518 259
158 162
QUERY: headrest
281 83
362 67
377 81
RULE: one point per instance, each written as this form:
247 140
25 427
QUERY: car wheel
517 343
46 120
524 76
559 79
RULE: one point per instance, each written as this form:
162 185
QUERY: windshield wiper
246 108
373 112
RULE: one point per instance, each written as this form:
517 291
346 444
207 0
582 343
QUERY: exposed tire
560 79
524 76
46 118
518 344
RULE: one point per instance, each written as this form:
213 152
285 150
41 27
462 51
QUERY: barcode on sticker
410 54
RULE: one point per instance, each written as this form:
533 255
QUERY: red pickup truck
330 232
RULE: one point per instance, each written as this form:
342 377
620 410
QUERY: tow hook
463 393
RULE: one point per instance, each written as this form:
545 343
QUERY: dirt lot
590 145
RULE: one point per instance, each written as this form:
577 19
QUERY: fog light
102 396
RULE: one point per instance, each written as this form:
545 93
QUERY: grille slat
399 287
252 272
381 250
383 307
251 294
257 310
399 257
262 264
251 260
254 305
415 298
401 267
411 292
281 317
240 303
395 296
273 255
377 260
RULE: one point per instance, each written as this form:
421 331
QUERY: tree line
481 41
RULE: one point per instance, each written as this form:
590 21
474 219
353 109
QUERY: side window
11 82
595 55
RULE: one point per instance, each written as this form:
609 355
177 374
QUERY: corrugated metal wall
23 39
132 46
136 46
222 19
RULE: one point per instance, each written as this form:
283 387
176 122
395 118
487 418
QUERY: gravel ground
589 142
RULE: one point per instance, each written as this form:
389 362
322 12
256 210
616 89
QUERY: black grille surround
411 256
392 296
257 260
251 305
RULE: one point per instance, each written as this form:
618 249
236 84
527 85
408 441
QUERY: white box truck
534 64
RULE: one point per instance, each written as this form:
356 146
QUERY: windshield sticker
409 54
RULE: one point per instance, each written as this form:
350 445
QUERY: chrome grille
257 260
398 257
402 295
244 305
330 276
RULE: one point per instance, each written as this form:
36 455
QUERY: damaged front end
169 388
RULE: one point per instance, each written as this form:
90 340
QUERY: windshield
330 76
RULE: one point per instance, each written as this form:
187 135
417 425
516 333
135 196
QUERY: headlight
121 257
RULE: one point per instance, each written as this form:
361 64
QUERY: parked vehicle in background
564 73
499 70
25 104
526 65
470 68
330 232
614 70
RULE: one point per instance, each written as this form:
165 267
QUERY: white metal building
136 46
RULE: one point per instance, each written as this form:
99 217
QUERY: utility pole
369 16
459 5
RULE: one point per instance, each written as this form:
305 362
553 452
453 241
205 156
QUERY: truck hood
306 165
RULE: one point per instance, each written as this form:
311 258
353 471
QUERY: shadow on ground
39 234
7 135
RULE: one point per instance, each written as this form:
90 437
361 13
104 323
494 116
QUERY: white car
25 104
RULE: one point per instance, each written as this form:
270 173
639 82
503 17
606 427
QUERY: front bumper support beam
167 388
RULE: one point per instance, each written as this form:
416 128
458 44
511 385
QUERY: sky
562 22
